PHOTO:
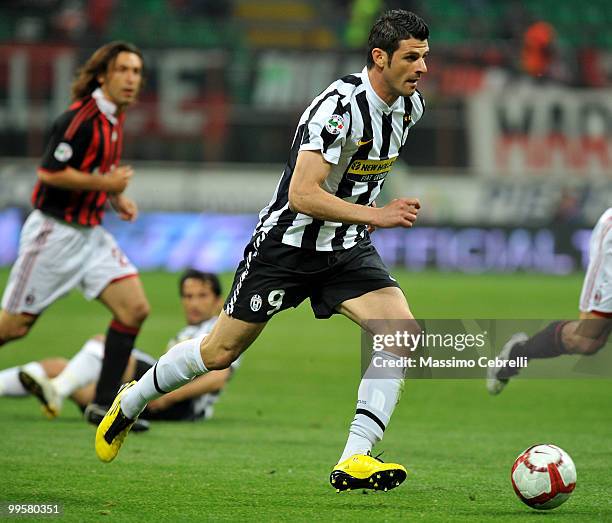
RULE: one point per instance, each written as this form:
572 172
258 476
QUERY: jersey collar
108 108
378 102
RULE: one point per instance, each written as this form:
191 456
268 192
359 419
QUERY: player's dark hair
98 63
393 26
204 277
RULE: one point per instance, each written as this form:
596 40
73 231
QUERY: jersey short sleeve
67 144
326 128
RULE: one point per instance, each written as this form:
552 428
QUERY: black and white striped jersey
361 136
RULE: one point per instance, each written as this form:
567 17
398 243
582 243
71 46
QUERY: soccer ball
543 476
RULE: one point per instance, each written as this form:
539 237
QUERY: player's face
122 80
402 73
199 301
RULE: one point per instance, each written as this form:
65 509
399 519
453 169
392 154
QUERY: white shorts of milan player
597 289
55 257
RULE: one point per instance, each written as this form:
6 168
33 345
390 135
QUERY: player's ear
380 57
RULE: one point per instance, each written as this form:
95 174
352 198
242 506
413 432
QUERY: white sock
9 379
84 368
178 366
376 401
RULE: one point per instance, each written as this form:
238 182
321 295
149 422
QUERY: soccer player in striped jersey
584 336
312 241
62 244
54 379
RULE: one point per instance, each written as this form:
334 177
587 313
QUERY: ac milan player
62 244
585 336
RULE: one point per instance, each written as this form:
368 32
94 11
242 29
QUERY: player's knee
54 366
220 357
13 330
10 333
396 336
220 361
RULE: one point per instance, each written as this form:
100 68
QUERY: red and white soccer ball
543 476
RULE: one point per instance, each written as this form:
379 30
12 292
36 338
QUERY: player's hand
118 179
401 212
126 207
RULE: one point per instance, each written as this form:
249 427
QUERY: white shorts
597 289
55 257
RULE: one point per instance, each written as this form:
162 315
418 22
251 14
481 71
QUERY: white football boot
494 384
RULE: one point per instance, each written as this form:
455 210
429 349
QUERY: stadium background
512 162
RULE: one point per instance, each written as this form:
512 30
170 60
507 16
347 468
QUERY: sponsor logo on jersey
63 152
256 302
335 124
369 170
364 142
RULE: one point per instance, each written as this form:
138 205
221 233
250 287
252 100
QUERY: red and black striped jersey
86 139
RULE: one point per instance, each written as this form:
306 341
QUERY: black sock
117 348
544 344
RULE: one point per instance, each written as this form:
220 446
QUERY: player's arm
73 179
307 196
210 382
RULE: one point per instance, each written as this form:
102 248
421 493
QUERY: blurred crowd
555 40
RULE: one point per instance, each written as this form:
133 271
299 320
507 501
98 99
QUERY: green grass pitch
281 424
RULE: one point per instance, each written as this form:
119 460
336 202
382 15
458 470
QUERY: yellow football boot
113 428
364 471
